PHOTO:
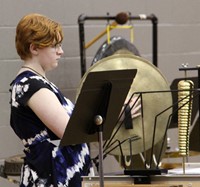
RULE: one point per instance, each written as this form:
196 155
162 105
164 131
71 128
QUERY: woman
39 111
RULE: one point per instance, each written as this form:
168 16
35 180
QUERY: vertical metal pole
199 97
82 45
155 40
99 122
101 173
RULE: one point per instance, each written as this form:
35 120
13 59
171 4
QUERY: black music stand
97 109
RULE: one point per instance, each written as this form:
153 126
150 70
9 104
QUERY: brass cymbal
148 78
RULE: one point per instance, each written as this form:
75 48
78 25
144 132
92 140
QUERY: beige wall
178 42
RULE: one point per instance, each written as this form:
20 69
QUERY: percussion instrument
150 80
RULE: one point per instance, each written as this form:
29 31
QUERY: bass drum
155 98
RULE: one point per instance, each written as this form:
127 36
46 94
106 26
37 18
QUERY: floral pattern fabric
45 164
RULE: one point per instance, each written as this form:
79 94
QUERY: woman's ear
33 49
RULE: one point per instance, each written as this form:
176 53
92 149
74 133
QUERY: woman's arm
47 107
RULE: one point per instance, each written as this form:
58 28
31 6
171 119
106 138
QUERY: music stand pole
101 171
99 122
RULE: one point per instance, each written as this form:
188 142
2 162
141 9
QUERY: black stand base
143 176
145 172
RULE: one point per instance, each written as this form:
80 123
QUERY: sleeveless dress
45 164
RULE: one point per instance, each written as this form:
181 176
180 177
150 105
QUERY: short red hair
38 30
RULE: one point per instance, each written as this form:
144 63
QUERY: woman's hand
134 106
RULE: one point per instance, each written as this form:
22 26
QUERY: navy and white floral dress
45 164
